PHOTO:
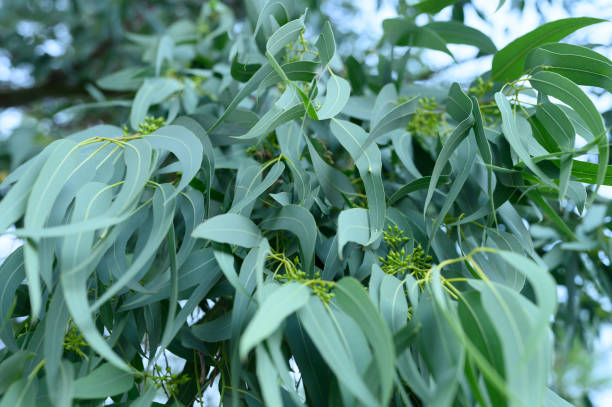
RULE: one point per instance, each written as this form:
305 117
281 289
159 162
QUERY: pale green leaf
102 382
278 305
151 92
229 228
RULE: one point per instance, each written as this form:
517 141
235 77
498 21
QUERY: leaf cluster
301 236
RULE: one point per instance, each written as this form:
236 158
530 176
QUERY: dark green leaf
508 61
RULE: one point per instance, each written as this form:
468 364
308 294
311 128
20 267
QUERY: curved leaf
508 62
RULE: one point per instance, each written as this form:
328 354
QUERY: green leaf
386 100
152 92
248 279
274 9
403 32
558 125
454 32
338 93
555 85
125 79
268 378
393 305
102 382
588 172
397 117
402 144
318 324
243 72
484 148
12 274
277 306
185 146
11 369
21 393
475 320
415 185
335 184
433 6
369 164
200 268
556 219
168 333
353 226
285 35
77 255
54 174
552 399
508 62
301 71
283 111
146 398
56 322
581 65
446 366
513 221
315 374
216 330
76 250
456 137
13 205
511 133
63 386
137 157
352 298
226 263
252 192
459 105
326 44
165 51
79 109
246 90
301 223
462 165
163 210
290 139
229 228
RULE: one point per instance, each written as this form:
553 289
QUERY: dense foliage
303 228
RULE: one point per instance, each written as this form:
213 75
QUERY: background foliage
299 226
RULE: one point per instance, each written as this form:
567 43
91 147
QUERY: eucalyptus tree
303 228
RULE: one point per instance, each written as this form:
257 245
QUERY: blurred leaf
456 33
102 382
433 6
11 369
403 32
